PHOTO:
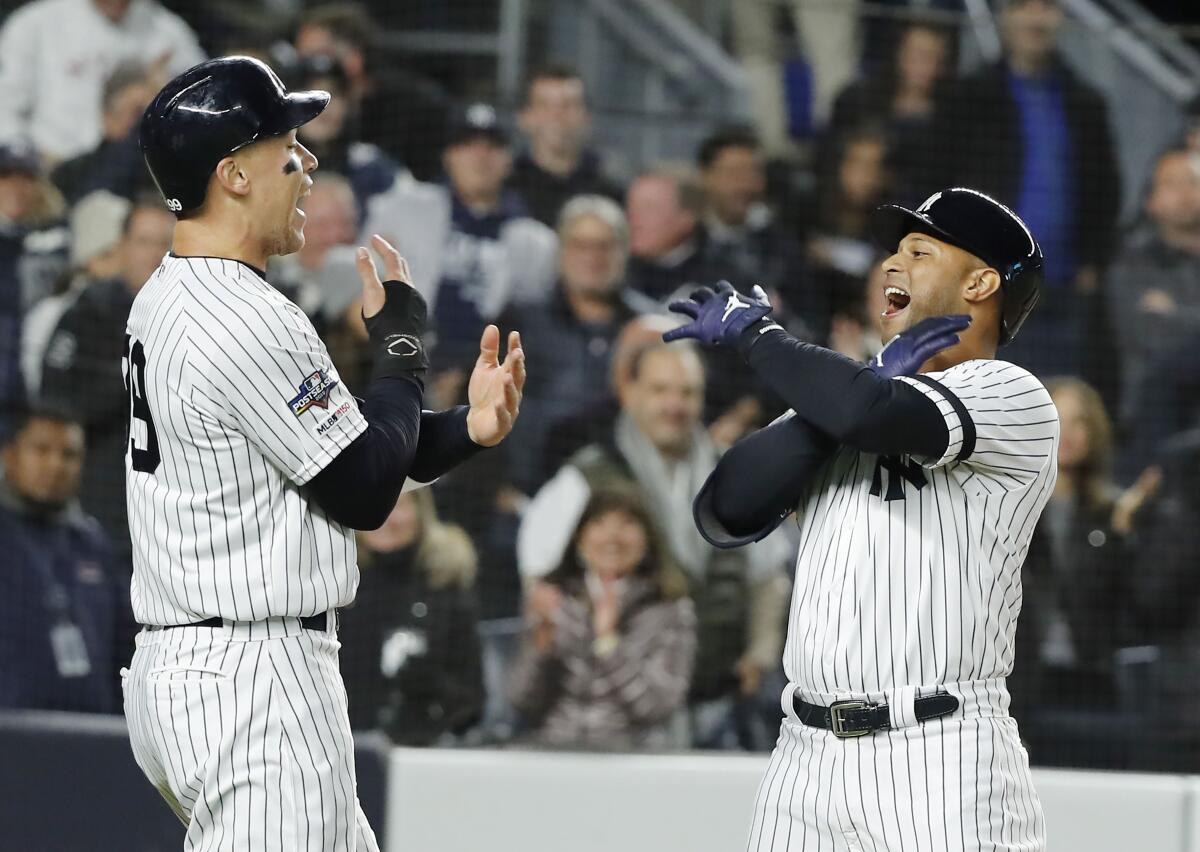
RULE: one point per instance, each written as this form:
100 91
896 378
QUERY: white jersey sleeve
1000 419
261 369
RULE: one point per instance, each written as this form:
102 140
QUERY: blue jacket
67 549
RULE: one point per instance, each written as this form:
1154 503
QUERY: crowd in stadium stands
558 593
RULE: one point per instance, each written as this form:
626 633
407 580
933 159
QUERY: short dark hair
141 201
731 136
56 411
348 21
124 76
549 71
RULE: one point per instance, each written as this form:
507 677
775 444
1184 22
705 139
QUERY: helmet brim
890 223
302 107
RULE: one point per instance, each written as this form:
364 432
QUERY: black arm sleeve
759 481
844 399
360 486
444 443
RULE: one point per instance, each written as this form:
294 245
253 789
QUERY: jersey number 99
145 459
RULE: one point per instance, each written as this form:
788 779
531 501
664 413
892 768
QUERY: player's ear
232 176
981 284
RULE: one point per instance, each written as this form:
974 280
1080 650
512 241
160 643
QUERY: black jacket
545 193
82 372
410 653
980 134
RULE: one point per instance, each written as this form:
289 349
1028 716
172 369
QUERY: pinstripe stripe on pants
956 783
247 738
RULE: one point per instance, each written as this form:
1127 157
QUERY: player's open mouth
897 300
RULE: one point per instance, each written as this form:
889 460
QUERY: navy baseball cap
19 158
473 121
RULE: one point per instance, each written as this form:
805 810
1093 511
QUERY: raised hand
719 315
495 387
395 268
907 351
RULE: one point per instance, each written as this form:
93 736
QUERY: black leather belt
858 718
319 622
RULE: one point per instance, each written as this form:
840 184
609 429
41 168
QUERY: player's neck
199 238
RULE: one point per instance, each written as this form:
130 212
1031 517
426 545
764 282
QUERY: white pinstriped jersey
235 406
909 569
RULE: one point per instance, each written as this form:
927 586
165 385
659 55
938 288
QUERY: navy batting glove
907 351
719 315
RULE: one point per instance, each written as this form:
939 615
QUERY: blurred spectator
659 446
903 96
82 371
665 206
1166 592
328 136
97 222
1077 614
414 669
320 278
840 247
402 113
471 247
1030 132
33 242
58 55
65 619
855 331
569 340
1154 282
115 164
741 235
557 163
611 635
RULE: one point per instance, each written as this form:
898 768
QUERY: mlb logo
313 391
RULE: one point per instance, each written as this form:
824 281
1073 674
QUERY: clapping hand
495 387
907 351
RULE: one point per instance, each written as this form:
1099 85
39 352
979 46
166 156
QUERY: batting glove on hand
907 351
720 315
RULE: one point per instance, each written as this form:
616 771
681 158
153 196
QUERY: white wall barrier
518 801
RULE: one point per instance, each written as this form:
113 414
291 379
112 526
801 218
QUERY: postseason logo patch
314 391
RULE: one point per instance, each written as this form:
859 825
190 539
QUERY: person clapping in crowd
415 672
611 635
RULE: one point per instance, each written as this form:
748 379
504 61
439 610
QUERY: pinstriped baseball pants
247 737
949 784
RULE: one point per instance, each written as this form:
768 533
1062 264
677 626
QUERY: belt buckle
838 724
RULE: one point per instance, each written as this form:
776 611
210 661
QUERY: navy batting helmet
987 229
207 113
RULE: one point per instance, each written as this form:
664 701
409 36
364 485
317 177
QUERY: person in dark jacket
65 617
574 332
411 655
1029 132
33 260
403 113
82 369
115 164
904 97
557 164
1166 593
1078 615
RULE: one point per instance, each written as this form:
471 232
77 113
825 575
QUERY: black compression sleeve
443 444
360 486
764 475
844 399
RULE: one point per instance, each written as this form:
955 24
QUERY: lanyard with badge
66 639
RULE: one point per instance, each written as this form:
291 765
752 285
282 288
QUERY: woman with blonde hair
611 635
410 651
1077 593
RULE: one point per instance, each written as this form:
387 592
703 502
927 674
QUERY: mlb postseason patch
314 390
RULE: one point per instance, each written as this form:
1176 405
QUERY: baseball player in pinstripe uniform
250 465
917 481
